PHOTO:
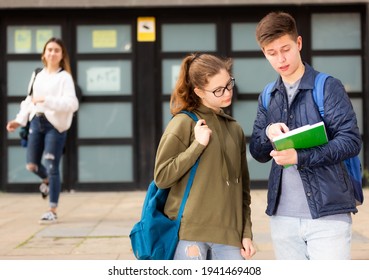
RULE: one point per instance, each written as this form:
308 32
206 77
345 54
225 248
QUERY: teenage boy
309 203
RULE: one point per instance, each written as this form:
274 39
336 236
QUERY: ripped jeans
45 146
193 250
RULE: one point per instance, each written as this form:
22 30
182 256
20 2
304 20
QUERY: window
188 37
105 76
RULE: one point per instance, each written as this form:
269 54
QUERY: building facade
125 57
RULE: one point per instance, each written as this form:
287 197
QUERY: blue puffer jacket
327 186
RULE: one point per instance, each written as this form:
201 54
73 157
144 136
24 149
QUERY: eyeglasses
219 92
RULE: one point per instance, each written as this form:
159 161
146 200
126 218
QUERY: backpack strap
318 91
192 173
266 94
37 70
190 114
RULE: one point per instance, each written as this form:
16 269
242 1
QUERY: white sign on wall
103 79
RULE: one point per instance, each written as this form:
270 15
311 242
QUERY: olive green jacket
218 207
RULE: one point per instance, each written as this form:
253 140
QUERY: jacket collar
308 79
207 111
306 83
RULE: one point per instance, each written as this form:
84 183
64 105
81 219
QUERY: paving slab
96 226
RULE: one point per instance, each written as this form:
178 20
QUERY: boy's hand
285 157
276 129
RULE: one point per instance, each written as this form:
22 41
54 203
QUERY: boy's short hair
275 25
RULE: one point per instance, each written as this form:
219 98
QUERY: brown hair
64 62
275 25
195 71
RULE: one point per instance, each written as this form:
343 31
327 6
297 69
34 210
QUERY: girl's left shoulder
65 75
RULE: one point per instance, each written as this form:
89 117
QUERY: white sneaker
48 218
44 189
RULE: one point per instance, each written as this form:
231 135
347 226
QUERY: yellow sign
104 39
146 29
23 41
42 35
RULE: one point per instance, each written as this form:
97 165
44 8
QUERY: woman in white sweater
50 110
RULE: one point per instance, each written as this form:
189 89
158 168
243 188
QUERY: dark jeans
45 149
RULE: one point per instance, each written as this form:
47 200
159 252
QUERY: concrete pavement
96 225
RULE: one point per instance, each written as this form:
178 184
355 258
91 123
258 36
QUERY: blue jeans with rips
45 145
193 250
311 239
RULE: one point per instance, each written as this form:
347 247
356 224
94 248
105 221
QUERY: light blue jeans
44 140
310 239
193 250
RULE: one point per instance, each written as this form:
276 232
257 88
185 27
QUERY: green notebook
304 137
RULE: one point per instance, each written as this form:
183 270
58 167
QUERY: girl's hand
202 132
36 100
248 250
12 125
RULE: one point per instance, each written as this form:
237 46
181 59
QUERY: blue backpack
353 165
155 236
